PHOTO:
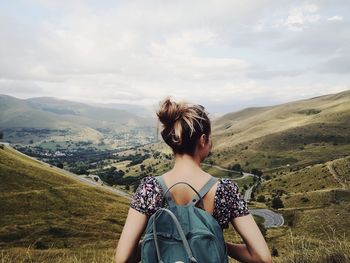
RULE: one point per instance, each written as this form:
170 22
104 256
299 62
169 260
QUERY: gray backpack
183 233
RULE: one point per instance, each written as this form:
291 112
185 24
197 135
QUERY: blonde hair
183 124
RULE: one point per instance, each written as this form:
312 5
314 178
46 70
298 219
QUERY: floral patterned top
228 202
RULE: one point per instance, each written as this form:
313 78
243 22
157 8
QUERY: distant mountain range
46 119
264 137
52 113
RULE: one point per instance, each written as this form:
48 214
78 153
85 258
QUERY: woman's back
223 200
183 194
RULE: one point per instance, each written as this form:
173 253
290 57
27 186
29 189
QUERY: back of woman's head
183 124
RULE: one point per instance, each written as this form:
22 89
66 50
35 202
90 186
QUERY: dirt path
335 175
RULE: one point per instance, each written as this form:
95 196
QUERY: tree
1 135
277 202
236 167
274 252
257 172
267 177
60 165
261 199
252 195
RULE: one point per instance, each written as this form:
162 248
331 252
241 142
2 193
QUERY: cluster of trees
236 167
275 203
112 176
257 172
137 159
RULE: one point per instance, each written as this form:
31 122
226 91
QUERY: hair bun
170 111
183 123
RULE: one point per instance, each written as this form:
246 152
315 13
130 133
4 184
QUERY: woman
187 130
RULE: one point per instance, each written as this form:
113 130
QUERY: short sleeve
237 205
147 197
228 202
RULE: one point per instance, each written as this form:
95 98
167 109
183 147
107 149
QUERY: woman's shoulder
150 184
228 183
227 189
147 197
228 202
150 179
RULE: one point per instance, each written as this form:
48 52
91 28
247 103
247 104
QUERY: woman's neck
186 162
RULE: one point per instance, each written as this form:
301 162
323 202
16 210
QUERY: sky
225 54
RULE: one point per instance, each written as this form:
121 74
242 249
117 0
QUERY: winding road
248 193
272 219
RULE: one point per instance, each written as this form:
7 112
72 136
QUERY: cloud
336 65
335 18
300 16
237 52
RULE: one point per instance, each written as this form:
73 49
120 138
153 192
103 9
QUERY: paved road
248 193
272 219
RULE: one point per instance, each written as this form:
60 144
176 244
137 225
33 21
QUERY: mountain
46 209
49 119
132 108
52 113
297 133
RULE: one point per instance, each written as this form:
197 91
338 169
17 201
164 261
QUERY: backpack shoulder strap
168 195
205 189
202 192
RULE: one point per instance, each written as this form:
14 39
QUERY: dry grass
29 255
41 207
302 249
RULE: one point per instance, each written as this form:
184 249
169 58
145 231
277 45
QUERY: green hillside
48 216
316 202
290 135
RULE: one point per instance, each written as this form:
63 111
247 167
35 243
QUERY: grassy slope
40 204
316 210
297 133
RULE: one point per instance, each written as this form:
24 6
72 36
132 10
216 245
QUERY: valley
292 159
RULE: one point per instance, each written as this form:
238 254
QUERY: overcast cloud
225 55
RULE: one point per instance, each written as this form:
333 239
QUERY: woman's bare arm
129 247
255 248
